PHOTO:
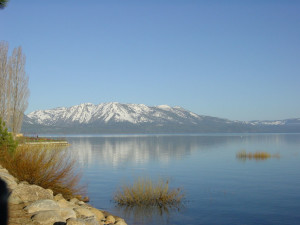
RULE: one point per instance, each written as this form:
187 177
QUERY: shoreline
62 143
34 205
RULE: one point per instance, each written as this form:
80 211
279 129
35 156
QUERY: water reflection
146 214
119 150
200 163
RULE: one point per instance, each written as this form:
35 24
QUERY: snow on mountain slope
114 112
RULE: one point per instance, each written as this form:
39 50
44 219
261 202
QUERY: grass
25 139
256 155
144 192
48 167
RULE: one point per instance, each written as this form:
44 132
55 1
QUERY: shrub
146 193
7 141
48 167
256 155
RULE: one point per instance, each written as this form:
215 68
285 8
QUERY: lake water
219 188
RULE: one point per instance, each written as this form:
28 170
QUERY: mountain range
114 117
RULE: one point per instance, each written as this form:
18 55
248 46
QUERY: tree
19 89
4 82
14 91
3 3
6 139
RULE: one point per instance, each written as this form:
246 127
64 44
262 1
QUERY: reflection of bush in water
146 199
142 213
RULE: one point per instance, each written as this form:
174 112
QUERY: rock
85 221
3 170
63 203
58 197
29 193
86 199
9 180
91 221
24 182
83 212
42 205
50 191
110 219
74 200
14 199
121 222
99 215
48 217
80 203
67 213
73 221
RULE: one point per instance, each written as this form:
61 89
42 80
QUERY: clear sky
231 59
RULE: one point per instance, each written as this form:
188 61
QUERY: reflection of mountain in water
118 150
140 149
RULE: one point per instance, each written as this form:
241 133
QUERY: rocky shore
34 205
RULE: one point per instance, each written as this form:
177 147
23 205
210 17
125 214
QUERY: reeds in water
144 192
256 155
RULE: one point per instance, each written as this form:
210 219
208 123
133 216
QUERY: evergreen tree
7 141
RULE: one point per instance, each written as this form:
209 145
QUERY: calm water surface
220 189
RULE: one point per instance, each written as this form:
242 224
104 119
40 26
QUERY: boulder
58 197
48 217
120 222
73 221
91 221
110 219
29 193
63 203
74 200
83 212
42 205
8 179
67 213
99 215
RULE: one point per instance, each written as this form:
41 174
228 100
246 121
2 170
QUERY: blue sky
231 59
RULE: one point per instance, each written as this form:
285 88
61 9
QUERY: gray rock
91 221
42 205
80 203
83 213
67 213
48 217
99 215
73 221
63 203
74 200
28 193
9 180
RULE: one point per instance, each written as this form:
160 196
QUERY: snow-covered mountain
116 117
115 112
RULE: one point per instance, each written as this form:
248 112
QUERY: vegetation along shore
43 186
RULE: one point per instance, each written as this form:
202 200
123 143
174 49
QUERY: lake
219 187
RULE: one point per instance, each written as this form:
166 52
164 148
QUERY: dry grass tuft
146 193
48 167
256 155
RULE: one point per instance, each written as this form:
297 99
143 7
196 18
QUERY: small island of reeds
259 155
